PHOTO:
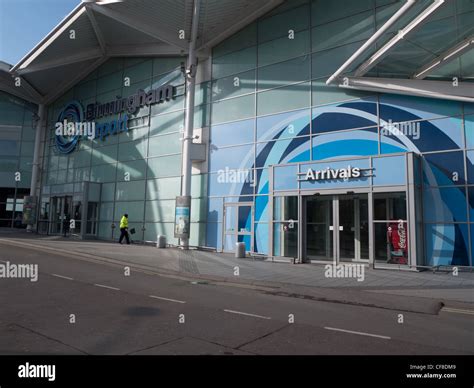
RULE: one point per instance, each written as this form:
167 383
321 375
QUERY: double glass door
61 209
337 228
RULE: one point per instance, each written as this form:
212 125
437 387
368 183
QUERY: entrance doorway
337 228
61 209
238 226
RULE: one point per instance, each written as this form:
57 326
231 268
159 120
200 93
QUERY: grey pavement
442 286
152 313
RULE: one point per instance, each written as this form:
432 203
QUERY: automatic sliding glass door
320 228
337 228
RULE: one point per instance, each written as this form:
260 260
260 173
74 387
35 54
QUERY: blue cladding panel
390 171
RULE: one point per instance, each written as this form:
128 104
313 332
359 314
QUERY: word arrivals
344 271
37 371
14 271
329 173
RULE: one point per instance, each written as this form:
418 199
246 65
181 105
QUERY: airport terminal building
311 130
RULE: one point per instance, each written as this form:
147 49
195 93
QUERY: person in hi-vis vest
124 229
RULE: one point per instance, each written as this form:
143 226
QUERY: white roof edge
49 35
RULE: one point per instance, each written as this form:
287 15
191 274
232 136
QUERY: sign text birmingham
130 104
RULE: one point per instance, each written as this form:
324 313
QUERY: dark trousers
124 233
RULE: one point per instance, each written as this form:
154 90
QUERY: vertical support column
36 163
301 227
411 208
189 118
371 229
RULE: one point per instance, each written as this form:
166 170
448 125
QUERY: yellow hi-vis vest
124 222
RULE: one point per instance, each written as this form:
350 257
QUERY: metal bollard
160 241
240 250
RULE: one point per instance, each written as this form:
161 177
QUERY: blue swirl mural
73 112
374 127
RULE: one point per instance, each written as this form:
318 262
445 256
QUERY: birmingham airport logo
408 128
70 127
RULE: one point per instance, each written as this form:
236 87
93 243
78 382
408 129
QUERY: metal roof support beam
46 65
145 49
50 38
390 22
446 57
71 82
40 126
98 33
432 89
382 52
240 24
138 25
189 115
35 95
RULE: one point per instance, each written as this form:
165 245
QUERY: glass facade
17 138
267 111
273 108
139 170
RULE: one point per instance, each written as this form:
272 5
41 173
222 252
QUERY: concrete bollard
160 241
240 250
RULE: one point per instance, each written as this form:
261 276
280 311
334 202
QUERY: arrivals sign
334 174
75 123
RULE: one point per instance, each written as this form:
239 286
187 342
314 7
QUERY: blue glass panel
472 244
285 178
214 235
444 169
469 128
238 157
283 151
446 204
446 244
470 167
239 132
261 208
355 114
389 170
215 210
244 219
261 238
359 142
261 177
221 184
405 108
471 203
283 125
422 136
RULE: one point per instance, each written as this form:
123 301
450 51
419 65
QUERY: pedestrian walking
124 229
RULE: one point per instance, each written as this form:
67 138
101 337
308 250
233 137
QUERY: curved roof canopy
97 30
425 45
